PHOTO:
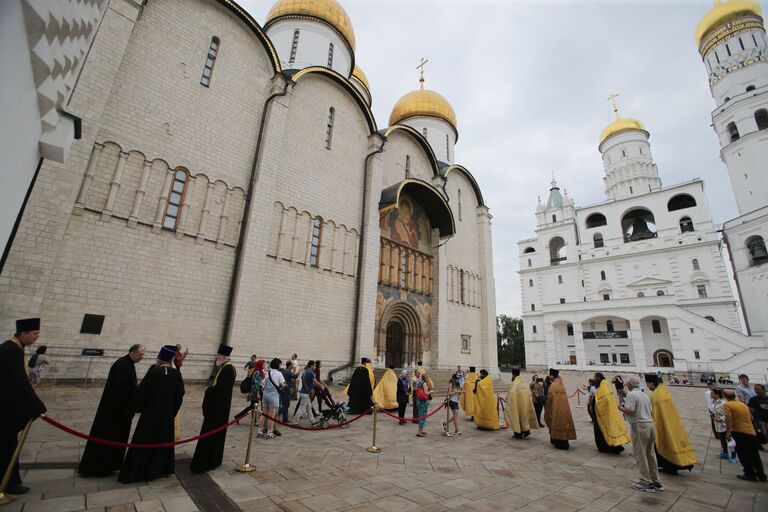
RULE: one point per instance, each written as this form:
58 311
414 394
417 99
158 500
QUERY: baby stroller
335 411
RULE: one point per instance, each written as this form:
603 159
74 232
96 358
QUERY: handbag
245 385
421 394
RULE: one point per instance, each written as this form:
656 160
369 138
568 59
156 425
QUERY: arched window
640 294
761 118
294 46
598 239
447 147
407 166
710 318
756 247
330 55
569 329
533 307
602 275
329 128
609 325
750 88
175 197
656 326
459 205
638 224
530 283
660 293
557 251
596 220
213 50
317 231
733 132
534 329
461 281
695 264
554 218
559 279
686 225
529 250
529 262
681 202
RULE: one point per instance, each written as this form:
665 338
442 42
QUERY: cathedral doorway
663 358
395 345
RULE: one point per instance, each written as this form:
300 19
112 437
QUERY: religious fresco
408 224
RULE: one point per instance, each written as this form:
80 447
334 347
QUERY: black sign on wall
605 335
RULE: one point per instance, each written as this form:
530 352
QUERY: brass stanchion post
447 410
373 448
246 467
7 498
578 398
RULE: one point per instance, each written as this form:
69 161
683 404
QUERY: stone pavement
324 471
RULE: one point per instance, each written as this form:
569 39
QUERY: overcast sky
529 81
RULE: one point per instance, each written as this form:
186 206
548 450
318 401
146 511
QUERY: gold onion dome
423 103
329 11
621 125
358 75
722 12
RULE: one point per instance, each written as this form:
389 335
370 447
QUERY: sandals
421 434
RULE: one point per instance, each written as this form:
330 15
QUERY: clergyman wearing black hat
209 452
18 399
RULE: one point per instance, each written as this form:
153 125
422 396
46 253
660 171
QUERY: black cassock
112 421
209 452
18 402
159 399
360 391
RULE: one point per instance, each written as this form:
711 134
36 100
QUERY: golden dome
358 74
722 12
423 102
329 11
621 125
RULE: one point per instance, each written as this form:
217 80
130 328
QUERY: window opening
210 60
294 46
175 197
329 128
330 55
314 253
702 289
656 326
598 239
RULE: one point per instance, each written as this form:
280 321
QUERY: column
488 292
205 213
139 197
90 173
638 346
437 285
114 186
578 340
221 238
162 202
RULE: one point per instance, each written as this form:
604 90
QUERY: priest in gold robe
557 413
467 399
673 449
610 431
385 393
486 406
519 412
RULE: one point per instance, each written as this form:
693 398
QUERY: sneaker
642 486
259 434
657 486
733 460
723 456
458 433
270 435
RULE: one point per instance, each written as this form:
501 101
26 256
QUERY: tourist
403 392
250 365
557 413
709 398
415 379
385 393
37 362
306 392
178 359
719 425
673 449
113 416
270 400
159 398
486 404
254 394
519 413
320 387
360 389
738 422
744 390
290 388
758 404
537 391
460 376
455 390
209 452
422 403
641 379
18 399
610 432
295 364
618 382
638 411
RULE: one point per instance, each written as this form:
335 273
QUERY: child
718 417
454 390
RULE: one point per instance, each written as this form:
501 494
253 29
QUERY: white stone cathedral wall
399 145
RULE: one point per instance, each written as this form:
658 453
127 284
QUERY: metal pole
578 397
87 372
246 467
373 448
7 498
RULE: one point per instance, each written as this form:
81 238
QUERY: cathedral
217 179
638 281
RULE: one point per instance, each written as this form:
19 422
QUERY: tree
509 341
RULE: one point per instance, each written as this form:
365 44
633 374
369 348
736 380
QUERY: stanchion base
447 434
245 468
5 498
373 449
578 407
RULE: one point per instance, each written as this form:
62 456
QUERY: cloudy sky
529 81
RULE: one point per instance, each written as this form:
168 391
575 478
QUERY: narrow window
314 253
459 205
717 57
559 279
294 46
407 166
329 128
741 43
447 147
424 132
213 50
733 131
761 118
630 190
534 329
602 275
330 55
686 225
695 264
623 153
529 262
754 40
569 329
598 239
702 289
530 283
533 307
656 326
728 49
609 325
554 218
180 179
641 151
461 285
696 354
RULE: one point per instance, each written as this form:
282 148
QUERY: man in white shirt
638 412
744 390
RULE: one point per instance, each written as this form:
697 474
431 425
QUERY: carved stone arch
413 325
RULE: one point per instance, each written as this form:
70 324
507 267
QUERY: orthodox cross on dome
420 67
612 98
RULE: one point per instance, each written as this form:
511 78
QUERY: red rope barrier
574 393
395 416
330 427
118 444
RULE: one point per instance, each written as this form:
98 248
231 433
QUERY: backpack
246 384
33 361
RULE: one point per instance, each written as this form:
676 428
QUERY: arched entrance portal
395 345
663 358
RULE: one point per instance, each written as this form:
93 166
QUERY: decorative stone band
733 28
739 61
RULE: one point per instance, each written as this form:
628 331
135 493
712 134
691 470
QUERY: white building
733 46
232 185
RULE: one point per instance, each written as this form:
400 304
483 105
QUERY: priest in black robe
209 452
113 417
18 401
159 399
360 390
